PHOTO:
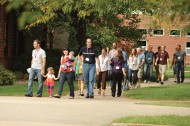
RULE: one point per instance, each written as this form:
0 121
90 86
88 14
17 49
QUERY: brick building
10 38
169 38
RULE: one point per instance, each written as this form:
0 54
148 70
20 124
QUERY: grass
168 103
159 120
164 92
170 74
21 89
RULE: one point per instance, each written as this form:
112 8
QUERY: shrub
19 75
23 62
154 78
6 77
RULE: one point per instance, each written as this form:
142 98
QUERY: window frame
145 47
175 35
158 29
187 48
145 29
187 34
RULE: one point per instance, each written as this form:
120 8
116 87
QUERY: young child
50 80
70 61
79 76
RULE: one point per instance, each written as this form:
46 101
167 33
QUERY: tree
169 13
97 17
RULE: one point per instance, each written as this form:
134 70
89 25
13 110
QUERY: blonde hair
50 69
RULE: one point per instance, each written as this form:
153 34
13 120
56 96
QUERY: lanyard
88 51
117 63
103 58
36 52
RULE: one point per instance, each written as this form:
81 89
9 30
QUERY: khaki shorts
140 73
162 69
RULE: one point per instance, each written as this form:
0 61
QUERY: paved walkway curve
22 111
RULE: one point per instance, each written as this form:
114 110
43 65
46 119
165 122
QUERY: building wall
9 38
170 42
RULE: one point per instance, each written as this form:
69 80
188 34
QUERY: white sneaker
145 81
149 82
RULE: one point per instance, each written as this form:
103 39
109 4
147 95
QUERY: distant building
11 43
169 38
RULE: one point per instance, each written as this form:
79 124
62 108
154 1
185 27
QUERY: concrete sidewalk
45 111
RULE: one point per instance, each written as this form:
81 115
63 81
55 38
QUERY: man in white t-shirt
37 69
112 54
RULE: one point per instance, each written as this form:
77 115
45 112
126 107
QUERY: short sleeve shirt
51 76
140 58
117 65
125 57
89 54
37 56
179 56
149 56
162 57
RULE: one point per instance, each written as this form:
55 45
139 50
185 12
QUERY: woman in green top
79 75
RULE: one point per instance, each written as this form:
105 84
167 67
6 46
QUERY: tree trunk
80 27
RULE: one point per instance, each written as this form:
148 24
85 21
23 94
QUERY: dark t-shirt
117 65
89 55
149 56
162 57
156 55
179 56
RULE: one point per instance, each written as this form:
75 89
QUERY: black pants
117 79
179 69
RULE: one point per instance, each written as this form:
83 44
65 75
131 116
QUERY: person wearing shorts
140 62
163 58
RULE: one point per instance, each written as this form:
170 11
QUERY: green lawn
168 103
170 74
159 120
21 89
163 92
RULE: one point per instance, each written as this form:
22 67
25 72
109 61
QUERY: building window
175 33
188 34
158 32
188 48
143 31
142 44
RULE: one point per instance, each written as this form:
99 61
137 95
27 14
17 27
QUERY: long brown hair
120 55
135 53
64 50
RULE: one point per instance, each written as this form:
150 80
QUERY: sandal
82 94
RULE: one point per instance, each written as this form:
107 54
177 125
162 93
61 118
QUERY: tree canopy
98 19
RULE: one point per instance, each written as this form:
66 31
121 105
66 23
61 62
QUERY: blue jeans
32 74
69 77
148 71
89 71
134 72
111 71
179 69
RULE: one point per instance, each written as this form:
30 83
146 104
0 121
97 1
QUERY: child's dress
50 80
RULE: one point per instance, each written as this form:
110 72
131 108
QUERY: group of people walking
115 66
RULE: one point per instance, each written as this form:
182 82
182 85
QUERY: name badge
179 57
87 59
161 59
62 66
149 58
117 67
